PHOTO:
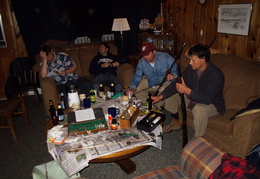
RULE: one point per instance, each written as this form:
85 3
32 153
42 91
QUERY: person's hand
105 65
43 55
115 64
156 99
131 91
182 87
62 73
170 77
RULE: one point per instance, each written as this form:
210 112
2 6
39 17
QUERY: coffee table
121 158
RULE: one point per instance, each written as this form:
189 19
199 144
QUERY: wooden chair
8 108
23 79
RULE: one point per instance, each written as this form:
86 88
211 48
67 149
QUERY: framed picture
234 18
2 34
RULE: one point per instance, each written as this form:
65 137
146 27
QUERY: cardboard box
151 121
128 118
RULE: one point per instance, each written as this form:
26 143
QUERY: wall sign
234 18
2 34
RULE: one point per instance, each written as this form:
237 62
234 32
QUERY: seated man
202 84
154 66
64 67
103 67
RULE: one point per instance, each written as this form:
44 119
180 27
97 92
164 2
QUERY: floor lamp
121 24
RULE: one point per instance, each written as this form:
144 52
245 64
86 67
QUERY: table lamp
121 24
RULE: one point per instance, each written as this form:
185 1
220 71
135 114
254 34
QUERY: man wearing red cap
153 66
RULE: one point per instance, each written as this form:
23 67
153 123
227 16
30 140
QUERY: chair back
21 76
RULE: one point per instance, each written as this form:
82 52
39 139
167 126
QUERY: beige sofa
82 54
242 80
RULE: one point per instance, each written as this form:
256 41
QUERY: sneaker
174 125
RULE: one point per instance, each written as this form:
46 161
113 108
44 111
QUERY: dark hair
105 44
46 49
201 51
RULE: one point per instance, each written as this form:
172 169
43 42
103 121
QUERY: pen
122 134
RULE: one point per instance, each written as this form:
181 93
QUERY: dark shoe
174 125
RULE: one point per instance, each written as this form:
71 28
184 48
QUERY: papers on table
83 115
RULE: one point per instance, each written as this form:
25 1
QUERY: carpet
18 159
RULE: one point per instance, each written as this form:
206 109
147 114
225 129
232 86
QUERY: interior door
11 42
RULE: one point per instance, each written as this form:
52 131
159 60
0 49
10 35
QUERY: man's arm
44 70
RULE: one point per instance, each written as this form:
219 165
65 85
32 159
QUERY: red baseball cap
147 48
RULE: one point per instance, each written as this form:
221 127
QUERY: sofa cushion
86 55
125 74
74 55
239 79
171 172
200 158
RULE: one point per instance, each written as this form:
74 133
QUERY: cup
113 111
86 103
73 98
82 97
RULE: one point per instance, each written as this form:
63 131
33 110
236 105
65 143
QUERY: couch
82 54
242 80
201 159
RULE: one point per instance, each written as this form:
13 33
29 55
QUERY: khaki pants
169 104
201 113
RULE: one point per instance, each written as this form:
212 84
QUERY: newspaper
76 152
55 72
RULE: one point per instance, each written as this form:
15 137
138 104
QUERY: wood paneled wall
191 18
15 44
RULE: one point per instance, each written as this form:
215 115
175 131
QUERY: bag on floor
253 157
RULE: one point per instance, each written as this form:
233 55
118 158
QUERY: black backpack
253 157
252 107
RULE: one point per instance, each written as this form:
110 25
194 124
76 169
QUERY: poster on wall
2 34
234 18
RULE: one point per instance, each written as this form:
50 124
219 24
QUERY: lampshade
120 24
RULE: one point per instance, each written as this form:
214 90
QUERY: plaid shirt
234 167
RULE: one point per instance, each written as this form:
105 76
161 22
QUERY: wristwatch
111 65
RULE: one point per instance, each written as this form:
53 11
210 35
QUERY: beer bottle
55 120
54 117
60 113
92 96
101 90
52 108
112 90
62 100
149 101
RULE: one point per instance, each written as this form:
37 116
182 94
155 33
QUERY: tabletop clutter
105 123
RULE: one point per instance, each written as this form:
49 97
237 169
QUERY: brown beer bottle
54 117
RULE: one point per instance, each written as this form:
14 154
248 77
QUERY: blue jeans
106 80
